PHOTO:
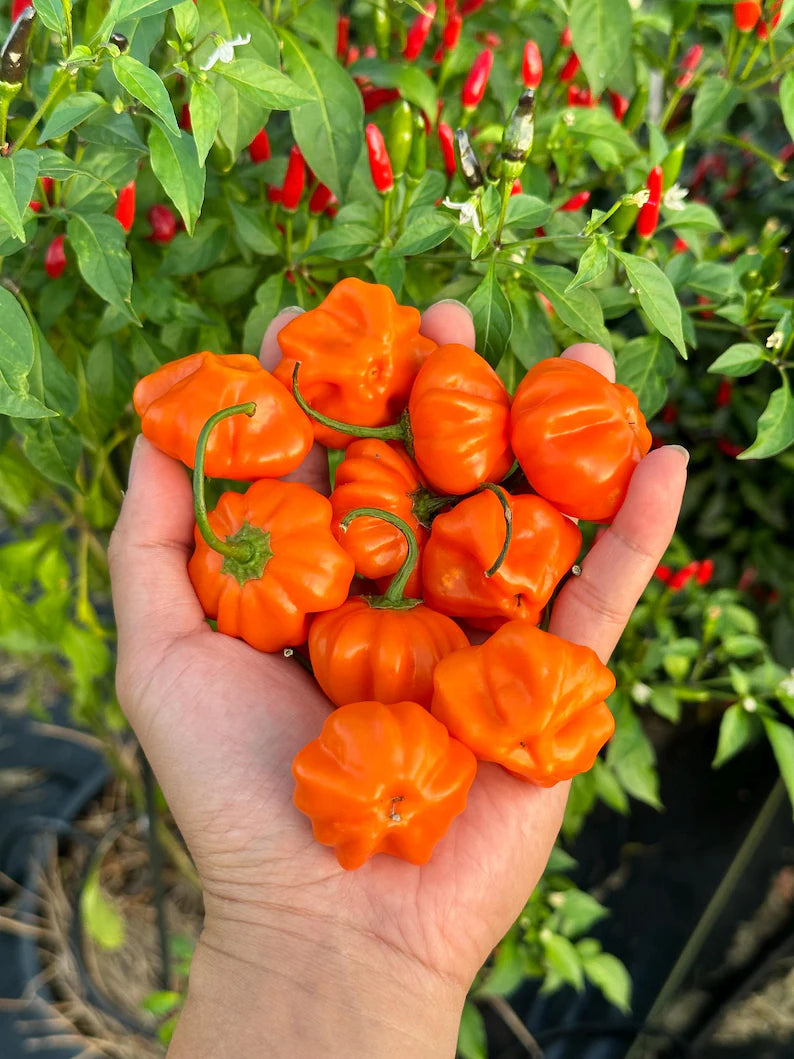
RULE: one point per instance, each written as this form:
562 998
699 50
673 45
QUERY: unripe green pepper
417 160
636 111
400 137
517 138
623 219
469 162
671 166
382 30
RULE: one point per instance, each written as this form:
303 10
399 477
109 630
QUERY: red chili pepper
532 66
185 121
294 180
18 7
273 194
163 223
446 139
125 206
516 189
321 199
670 413
685 574
705 571
493 40
475 84
342 36
724 392
729 448
470 6
648 217
379 164
55 258
689 64
375 98
570 70
664 573
580 97
352 56
566 38
619 105
259 147
679 246
745 15
451 34
575 202
418 33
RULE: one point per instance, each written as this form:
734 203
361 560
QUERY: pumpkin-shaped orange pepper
265 560
359 352
176 401
578 437
382 779
529 701
458 559
382 647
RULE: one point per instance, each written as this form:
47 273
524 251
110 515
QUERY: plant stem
59 79
241 552
394 596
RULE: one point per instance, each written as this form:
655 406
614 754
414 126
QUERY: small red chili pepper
745 15
418 33
575 202
566 38
451 34
516 189
294 180
470 6
679 246
342 36
663 573
729 448
493 40
705 571
163 223
706 314
670 413
475 84
619 105
375 98
352 55
273 194
689 64
685 574
379 164
55 258
724 392
580 97
370 51
570 70
648 217
125 206
446 139
321 199
34 205
532 65
18 7
259 147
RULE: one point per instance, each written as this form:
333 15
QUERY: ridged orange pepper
382 647
465 543
578 437
265 560
359 352
176 401
382 779
530 701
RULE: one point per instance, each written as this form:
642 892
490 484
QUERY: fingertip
447 322
270 351
594 356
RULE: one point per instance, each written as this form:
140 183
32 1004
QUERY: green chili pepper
14 55
400 137
417 160
636 111
623 219
671 166
494 170
469 163
382 30
517 138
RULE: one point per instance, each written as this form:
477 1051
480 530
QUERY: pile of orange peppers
452 511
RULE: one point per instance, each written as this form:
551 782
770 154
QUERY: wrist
308 988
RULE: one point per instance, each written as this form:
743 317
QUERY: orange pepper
359 352
465 542
528 700
175 402
382 779
578 437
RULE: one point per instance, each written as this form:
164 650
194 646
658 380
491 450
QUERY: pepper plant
174 174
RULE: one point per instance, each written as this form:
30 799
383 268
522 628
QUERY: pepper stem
508 513
241 552
393 432
393 598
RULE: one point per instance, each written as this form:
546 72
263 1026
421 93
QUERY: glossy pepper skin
477 80
377 474
382 779
532 65
745 15
465 542
294 180
400 139
359 353
163 223
379 162
175 401
648 217
125 206
446 141
578 437
530 701
418 33
55 257
304 572
259 147
459 412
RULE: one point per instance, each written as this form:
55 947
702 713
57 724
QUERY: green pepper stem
241 552
394 432
394 597
508 514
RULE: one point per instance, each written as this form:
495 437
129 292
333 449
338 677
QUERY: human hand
296 951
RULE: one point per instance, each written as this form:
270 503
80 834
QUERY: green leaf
417 88
240 120
714 101
237 18
17 181
644 364
175 164
526 211
787 101
103 258
145 85
508 969
263 84
531 339
601 32
472 1040
631 756
743 358
186 20
205 116
592 263
101 919
53 447
329 131
562 957
343 242
253 228
51 13
123 9
738 727
775 427
109 381
781 739
610 975
695 216
424 232
786 14
578 912
657 296
493 317
580 310
17 351
69 113
389 271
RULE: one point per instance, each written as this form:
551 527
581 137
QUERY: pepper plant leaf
656 295
176 165
601 34
17 351
775 427
579 309
145 85
68 114
644 364
51 13
205 117
17 179
263 84
493 317
103 259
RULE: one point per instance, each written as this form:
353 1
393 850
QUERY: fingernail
136 448
295 309
684 452
454 301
